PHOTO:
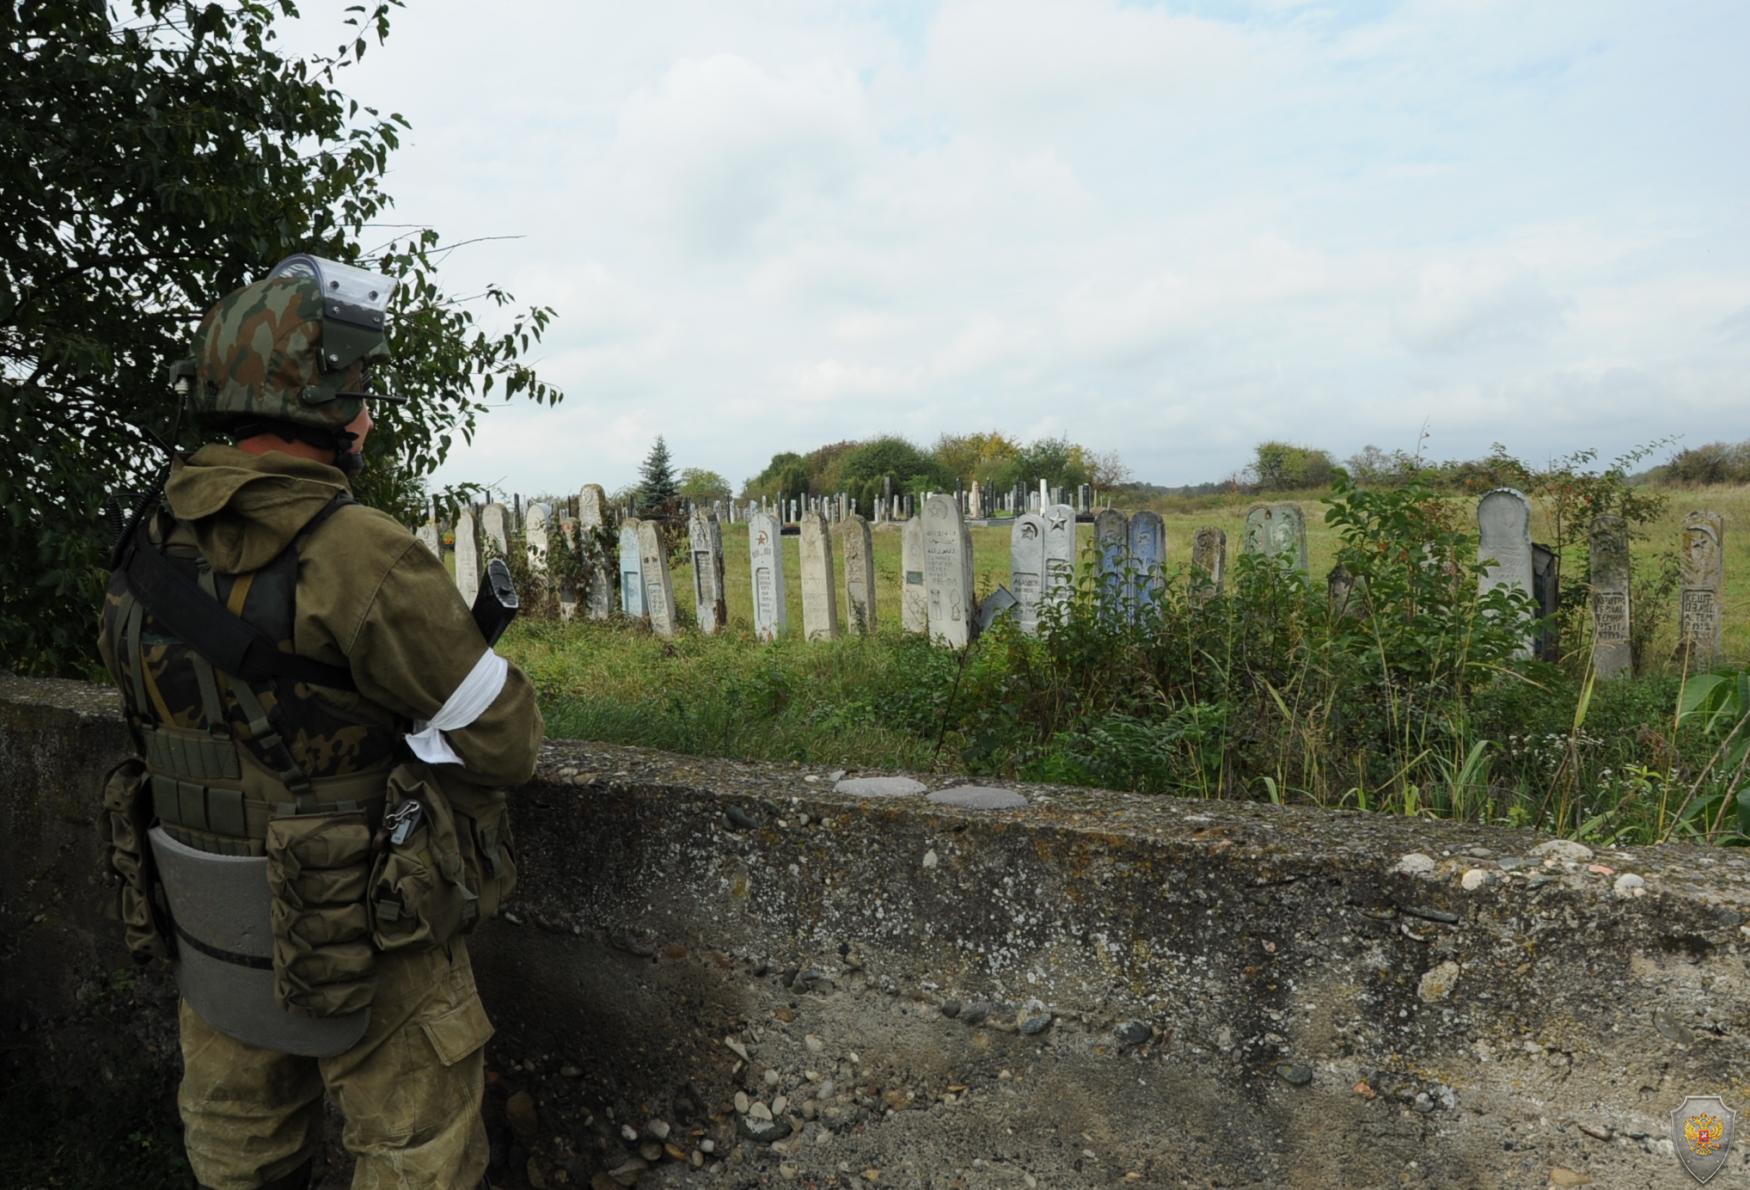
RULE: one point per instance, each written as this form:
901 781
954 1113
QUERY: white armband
469 701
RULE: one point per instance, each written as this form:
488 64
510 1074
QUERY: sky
1170 230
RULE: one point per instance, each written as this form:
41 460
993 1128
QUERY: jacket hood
246 508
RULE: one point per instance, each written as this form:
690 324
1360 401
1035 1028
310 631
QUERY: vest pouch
317 868
490 860
127 816
419 893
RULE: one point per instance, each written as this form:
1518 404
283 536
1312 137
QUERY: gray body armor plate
224 967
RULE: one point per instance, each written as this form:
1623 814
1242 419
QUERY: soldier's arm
410 642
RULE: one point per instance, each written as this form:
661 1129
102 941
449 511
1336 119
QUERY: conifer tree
658 493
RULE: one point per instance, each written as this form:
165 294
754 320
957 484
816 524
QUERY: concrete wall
1095 989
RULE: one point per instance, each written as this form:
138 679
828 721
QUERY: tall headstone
592 518
859 550
592 506
1060 553
429 538
467 557
1277 531
975 500
658 589
1703 568
536 544
1612 655
1346 594
495 528
765 560
1112 548
1208 561
947 573
1504 545
705 543
631 569
820 606
1027 568
568 593
1546 584
1148 558
914 601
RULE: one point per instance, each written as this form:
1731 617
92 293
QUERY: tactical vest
225 754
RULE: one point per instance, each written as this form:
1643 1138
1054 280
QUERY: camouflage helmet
283 347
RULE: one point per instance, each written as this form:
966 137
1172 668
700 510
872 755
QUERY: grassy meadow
1538 745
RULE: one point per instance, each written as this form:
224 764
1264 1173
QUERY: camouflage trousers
410 1090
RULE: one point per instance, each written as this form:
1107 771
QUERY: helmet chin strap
350 461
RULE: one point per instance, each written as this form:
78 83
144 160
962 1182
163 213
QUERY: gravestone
1027 568
975 500
1612 654
947 573
1704 582
914 601
1546 578
1208 562
1060 553
495 528
592 520
705 543
1277 531
592 506
658 589
467 557
1345 594
765 560
536 546
631 569
429 538
859 549
567 579
1111 550
1148 558
820 608
995 605
1504 545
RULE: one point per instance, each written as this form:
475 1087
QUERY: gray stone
1133 1033
536 545
592 506
495 530
1112 552
567 580
880 787
994 605
978 797
1546 581
1148 559
429 538
1027 567
467 557
1060 553
914 606
1277 531
947 573
631 569
1208 562
820 606
1612 654
658 587
859 551
1704 582
765 559
1346 595
1504 545
705 543
594 545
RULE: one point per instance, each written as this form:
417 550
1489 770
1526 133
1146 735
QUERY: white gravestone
1027 568
914 601
429 538
536 546
567 581
467 557
1607 552
1504 545
820 607
1208 562
1703 568
1277 531
859 550
658 589
765 558
947 573
495 527
705 543
1148 559
592 516
631 569
1060 553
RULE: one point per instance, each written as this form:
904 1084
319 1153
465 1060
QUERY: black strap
255 962
231 643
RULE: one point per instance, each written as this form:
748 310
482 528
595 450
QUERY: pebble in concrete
978 797
880 787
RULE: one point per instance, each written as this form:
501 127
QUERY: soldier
313 820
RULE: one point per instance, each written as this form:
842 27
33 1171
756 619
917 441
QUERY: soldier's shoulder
358 529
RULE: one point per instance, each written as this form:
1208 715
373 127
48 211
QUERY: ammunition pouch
419 890
488 849
317 868
229 954
127 816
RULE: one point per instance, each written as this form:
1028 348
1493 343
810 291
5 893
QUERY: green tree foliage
1714 462
969 457
658 492
702 486
1284 467
157 159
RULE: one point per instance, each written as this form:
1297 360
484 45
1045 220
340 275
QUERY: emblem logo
1702 1131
